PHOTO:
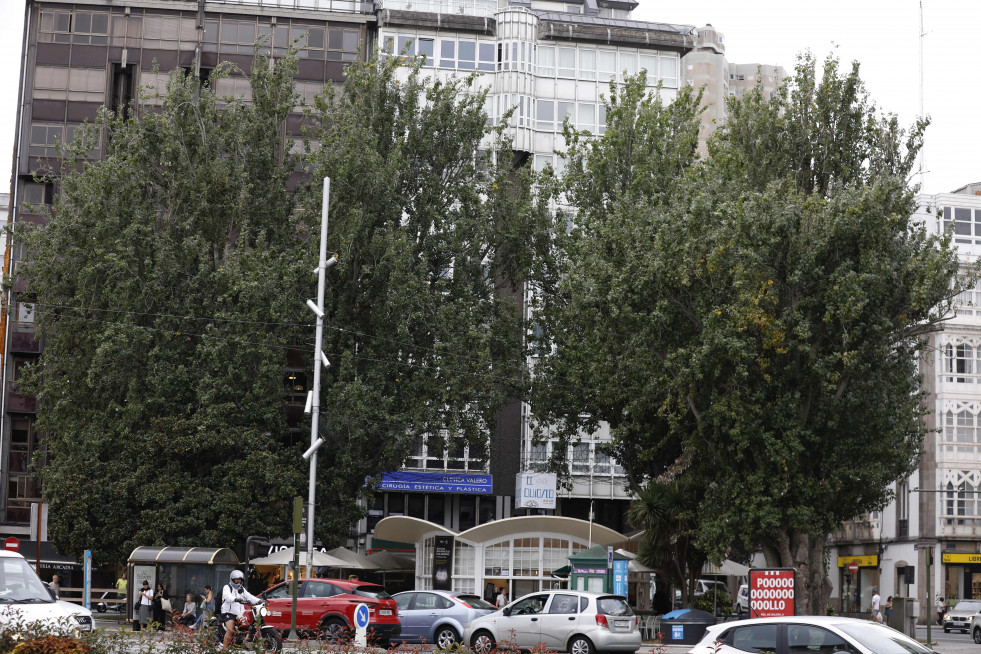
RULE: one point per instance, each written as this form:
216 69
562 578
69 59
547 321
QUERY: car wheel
946 630
100 607
977 636
446 637
333 630
581 645
482 642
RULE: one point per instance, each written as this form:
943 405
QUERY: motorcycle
251 630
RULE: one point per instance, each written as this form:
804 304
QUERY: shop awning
353 559
386 560
285 557
726 568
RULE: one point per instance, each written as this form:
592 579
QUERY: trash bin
685 626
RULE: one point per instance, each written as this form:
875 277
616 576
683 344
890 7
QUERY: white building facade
939 505
546 62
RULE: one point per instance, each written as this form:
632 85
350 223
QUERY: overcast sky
883 35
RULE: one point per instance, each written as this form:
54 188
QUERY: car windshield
613 606
883 640
374 592
968 606
19 583
475 602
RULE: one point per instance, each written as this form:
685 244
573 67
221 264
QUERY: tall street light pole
313 400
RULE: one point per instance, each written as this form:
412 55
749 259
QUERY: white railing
339 6
482 8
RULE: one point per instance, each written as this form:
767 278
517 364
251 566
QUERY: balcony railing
482 8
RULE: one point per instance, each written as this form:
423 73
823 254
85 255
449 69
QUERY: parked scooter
251 630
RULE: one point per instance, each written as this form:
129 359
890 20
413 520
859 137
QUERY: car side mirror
506 610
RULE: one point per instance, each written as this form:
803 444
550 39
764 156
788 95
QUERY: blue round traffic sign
361 616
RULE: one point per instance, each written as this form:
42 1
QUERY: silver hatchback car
571 621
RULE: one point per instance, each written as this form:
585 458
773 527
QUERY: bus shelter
181 570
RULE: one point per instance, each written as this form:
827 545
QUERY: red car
325 608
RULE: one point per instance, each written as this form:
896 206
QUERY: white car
806 634
573 621
25 602
742 599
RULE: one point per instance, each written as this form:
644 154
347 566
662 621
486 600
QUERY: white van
25 601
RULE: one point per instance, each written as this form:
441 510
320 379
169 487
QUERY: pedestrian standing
941 606
55 586
887 608
502 597
876 616
146 602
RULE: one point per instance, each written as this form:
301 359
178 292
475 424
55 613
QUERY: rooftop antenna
922 146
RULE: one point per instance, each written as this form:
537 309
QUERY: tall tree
165 284
170 282
434 228
758 333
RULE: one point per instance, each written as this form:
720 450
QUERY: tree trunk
805 554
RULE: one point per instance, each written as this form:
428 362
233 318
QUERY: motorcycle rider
233 598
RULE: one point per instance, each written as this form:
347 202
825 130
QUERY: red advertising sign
771 592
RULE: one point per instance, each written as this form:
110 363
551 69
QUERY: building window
960 502
467 55
649 64
45 139
82 27
669 71
607 62
546 60
567 62
309 38
447 53
427 51
587 64
960 432
486 56
959 360
22 490
59 83
587 117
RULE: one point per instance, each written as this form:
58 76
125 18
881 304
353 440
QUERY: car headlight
947 618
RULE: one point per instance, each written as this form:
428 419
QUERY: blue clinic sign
436 482
620 578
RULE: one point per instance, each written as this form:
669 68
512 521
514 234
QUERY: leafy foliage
170 282
424 324
753 330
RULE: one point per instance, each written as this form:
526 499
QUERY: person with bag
159 610
207 608
145 602
876 616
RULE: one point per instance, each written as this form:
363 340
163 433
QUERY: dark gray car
438 616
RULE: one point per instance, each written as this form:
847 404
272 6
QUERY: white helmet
237 576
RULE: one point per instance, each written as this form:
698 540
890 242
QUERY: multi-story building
707 68
83 54
550 61
939 506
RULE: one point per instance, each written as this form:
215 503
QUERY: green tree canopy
170 282
757 329
434 229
